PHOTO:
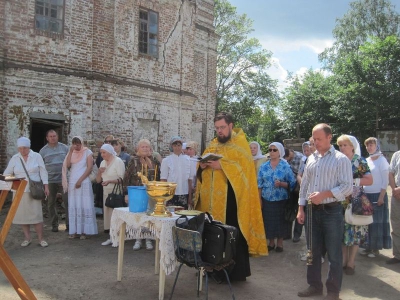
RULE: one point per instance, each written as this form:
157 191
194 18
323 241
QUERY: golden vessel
161 192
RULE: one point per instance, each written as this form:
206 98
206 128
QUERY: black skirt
274 219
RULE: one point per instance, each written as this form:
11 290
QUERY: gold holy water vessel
161 192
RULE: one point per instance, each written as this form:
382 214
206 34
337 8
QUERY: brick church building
132 68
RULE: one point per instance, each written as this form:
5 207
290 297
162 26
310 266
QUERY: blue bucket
138 198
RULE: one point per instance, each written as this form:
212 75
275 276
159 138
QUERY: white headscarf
23 142
355 143
280 147
378 149
259 154
109 149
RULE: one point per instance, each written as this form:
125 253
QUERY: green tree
365 19
243 85
368 84
306 102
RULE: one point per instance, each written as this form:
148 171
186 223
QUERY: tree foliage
361 92
243 85
369 87
365 19
306 102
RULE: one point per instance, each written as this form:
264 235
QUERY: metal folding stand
6 264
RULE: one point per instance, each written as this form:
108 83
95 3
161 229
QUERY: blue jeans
327 226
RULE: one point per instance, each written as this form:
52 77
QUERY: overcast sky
296 31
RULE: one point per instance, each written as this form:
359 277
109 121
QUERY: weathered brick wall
95 79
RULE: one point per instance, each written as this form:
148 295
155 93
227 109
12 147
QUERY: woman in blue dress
274 177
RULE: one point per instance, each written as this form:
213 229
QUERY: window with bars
49 15
148 32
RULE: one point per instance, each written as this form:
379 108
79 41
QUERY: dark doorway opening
39 127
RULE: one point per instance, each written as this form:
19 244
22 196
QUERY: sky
295 31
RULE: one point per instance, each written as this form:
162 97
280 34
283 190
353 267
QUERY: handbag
36 187
116 198
360 203
291 206
353 219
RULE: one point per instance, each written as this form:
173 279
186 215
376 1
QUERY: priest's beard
224 139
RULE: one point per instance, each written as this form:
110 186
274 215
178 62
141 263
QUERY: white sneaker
149 245
303 257
373 254
138 245
106 243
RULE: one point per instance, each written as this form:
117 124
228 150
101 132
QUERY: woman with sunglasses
274 177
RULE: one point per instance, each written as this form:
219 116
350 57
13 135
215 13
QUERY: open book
209 157
9 177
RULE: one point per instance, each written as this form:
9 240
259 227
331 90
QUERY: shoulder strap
23 165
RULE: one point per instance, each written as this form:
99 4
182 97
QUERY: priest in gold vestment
227 189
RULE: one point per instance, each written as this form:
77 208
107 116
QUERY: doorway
39 127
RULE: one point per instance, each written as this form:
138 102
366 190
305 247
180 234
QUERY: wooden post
10 270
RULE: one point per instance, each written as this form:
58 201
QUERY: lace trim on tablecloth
142 226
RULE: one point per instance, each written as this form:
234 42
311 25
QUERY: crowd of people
244 188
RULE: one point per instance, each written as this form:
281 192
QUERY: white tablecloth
142 226
5 185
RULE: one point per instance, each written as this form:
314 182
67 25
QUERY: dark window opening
49 15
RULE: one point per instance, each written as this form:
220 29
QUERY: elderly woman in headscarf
353 234
112 169
29 211
145 163
82 216
274 177
379 231
258 157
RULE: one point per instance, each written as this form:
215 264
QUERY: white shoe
149 245
373 254
138 245
106 243
365 252
303 257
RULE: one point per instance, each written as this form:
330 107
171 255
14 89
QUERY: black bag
291 206
36 187
98 194
196 224
219 242
116 198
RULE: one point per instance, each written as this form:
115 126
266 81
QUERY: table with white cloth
142 226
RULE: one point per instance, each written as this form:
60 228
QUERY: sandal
43 243
26 243
270 248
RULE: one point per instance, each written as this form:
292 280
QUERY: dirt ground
83 269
